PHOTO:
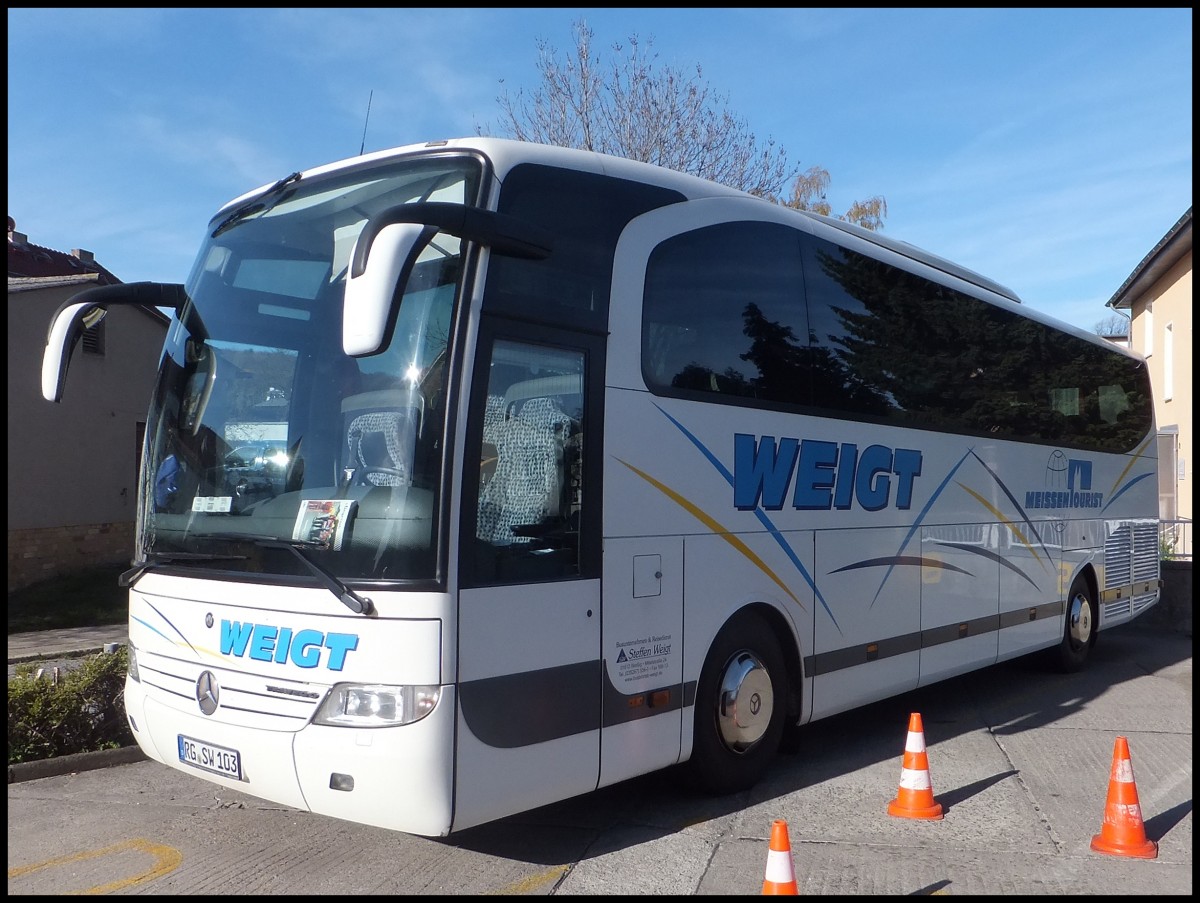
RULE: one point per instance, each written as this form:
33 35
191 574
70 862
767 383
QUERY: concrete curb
54 656
60 765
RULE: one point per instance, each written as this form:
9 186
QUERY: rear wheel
1079 634
740 707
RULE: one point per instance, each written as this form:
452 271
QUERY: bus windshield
262 429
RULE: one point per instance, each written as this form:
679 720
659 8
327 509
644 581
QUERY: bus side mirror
85 309
387 249
381 261
65 329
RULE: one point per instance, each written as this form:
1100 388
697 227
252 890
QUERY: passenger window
724 315
530 474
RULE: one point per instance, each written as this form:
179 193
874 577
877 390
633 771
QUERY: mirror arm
503 234
84 310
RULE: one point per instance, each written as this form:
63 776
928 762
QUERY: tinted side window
890 345
762 315
895 346
585 213
724 315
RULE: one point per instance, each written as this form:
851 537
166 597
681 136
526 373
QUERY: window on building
1168 363
1168 455
93 339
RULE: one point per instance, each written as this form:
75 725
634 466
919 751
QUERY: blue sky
1047 149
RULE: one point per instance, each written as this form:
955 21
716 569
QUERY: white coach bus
481 474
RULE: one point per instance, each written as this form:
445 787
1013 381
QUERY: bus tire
1079 634
741 702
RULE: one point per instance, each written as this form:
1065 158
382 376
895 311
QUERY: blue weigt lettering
234 637
872 485
307 645
306 648
907 466
265 643
761 472
815 476
283 646
843 493
873 482
829 475
262 642
340 644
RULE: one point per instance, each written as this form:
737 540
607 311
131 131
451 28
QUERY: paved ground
67 643
1019 759
63 649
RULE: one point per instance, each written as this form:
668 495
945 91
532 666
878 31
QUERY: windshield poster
323 521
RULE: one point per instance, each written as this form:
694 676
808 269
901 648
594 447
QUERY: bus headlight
131 665
376 705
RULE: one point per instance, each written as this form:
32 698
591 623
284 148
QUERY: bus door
529 675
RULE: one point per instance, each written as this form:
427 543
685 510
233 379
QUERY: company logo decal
208 692
1068 485
303 648
826 475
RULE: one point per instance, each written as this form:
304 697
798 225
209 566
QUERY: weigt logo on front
822 475
303 648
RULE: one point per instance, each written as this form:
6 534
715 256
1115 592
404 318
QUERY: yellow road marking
533 882
166 859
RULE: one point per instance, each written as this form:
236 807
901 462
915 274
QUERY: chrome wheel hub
746 702
1079 620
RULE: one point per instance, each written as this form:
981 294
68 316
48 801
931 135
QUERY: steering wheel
364 472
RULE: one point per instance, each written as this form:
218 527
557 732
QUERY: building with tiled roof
72 466
27 260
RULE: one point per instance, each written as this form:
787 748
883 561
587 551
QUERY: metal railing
1175 539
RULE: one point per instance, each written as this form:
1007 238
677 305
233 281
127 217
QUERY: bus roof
505 153
922 256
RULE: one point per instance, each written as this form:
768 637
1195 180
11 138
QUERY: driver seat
382 439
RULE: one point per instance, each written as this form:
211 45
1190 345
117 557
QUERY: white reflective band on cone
914 780
779 867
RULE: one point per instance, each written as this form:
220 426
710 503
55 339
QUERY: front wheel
741 700
1079 634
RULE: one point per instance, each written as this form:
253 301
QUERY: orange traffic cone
780 878
1123 833
915 798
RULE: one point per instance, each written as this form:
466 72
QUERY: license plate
210 757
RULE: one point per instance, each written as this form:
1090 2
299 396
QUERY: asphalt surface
71 642
1020 761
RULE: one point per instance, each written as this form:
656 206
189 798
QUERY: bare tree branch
636 108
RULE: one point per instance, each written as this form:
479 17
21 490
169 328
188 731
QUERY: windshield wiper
360 605
131 576
258 205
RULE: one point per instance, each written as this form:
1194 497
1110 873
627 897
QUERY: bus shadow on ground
1008 698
